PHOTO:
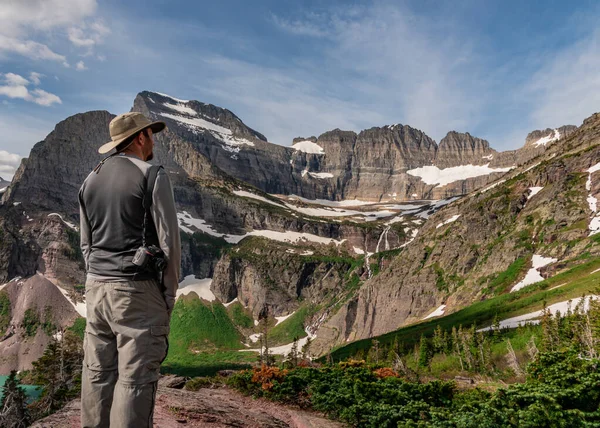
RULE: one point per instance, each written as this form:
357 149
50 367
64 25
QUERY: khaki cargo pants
125 343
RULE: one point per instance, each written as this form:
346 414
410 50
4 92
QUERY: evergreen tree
13 406
425 353
58 373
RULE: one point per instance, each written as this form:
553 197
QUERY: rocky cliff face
541 209
373 165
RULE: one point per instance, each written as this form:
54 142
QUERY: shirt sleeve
164 215
84 233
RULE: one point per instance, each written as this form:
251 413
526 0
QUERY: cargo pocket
158 346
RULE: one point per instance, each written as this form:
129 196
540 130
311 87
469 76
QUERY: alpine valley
337 238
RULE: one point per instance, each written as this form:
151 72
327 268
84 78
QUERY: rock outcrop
37 310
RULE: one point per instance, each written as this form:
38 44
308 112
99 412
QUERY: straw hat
126 125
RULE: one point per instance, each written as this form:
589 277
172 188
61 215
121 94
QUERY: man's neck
133 153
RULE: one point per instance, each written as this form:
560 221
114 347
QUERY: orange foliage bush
266 375
385 372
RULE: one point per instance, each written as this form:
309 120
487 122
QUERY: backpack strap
150 183
147 201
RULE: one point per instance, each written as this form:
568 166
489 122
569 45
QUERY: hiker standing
129 232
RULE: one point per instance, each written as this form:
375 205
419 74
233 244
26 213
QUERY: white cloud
35 78
23 24
80 66
15 86
44 98
20 18
9 162
30 49
15 80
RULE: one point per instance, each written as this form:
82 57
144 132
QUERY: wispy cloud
566 89
25 27
377 65
15 86
80 66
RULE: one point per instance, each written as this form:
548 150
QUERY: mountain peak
541 138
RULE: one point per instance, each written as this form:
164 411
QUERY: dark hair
126 143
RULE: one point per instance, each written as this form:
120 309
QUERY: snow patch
197 122
533 275
488 157
173 98
533 317
450 220
533 191
441 177
493 185
230 303
548 139
79 306
245 194
199 286
3 190
320 174
71 225
328 203
438 312
282 319
181 109
308 147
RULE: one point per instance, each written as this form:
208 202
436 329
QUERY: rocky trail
220 407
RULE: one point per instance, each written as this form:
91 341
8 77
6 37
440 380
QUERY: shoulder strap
147 201
150 183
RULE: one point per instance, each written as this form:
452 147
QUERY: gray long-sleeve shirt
164 215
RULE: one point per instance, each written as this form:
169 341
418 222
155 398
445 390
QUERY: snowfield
450 220
181 109
437 313
186 221
545 140
533 275
199 286
245 194
533 191
533 317
308 147
442 177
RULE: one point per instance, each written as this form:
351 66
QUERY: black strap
147 201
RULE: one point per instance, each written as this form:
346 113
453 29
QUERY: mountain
539 221
311 235
394 162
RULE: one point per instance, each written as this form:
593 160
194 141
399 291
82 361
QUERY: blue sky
496 69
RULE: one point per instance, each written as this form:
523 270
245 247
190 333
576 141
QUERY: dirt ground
215 408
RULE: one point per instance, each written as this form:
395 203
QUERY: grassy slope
203 339
570 284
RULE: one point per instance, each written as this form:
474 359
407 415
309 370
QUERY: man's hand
170 301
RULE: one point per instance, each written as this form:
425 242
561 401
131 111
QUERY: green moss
5 312
31 322
240 316
291 328
78 327
509 276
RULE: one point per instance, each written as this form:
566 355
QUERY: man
128 308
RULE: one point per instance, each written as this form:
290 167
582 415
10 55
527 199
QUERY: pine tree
375 349
425 353
13 406
438 340
58 373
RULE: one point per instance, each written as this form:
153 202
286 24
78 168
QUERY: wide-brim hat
125 125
